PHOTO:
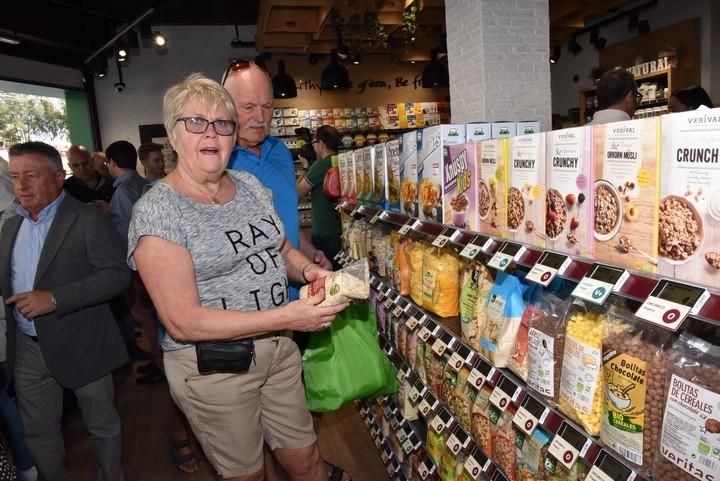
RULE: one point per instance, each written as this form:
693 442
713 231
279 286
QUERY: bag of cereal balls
581 382
690 435
634 367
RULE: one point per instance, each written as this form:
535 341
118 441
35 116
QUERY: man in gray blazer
60 263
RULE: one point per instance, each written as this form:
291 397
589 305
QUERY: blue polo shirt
275 169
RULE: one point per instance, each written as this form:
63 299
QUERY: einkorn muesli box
625 193
491 166
526 189
568 199
689 224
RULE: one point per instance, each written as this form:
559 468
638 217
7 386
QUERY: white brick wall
498 60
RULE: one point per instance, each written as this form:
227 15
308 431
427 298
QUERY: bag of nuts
503 435
634 368
689 442
476 283
546 347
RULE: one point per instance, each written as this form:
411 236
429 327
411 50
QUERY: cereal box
689 223
347 176
430 167
392 188
526 189
503 129
380 181
568 201
491 174
367 195
459 187
409 173
477 131
359 174
528 127
625 193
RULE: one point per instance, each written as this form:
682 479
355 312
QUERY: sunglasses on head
239 64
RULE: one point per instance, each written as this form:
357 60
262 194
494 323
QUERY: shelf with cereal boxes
666 300
514 407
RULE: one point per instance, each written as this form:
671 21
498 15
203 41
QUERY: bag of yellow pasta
415 254
581 381
401 266
441 281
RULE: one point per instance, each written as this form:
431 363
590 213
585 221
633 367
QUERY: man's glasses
241 64
199 125
638 97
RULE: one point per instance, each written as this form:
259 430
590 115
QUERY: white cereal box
526 189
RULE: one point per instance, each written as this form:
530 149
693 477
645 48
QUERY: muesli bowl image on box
409 194
516 209
429 195
556 214
608 211
681 231
459 205
486 198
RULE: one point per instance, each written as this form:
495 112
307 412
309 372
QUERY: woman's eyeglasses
199 125
241 64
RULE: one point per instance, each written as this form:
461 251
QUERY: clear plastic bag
351 282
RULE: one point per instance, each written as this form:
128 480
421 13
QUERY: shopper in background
617 96
212 252
99 162
151 157
326 228
86 185
691 98
61 331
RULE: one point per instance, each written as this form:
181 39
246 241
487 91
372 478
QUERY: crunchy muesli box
625 193
459 188
689 222
526 189
491 168
430 167
409 173
568 199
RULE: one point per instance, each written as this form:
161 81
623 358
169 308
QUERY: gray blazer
83 265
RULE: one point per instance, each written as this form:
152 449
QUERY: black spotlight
121 51
555 55
643 27
334 76
435 74
283 84
600 43
594 35
99 65
356 60
574 47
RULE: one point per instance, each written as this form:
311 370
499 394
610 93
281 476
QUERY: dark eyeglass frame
208 123
638 97
238 64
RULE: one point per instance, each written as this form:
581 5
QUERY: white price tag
456 361
437 424
457 440
378 215
401 376
397 312
599 282
670 303
426 468
417 391
568 444
504 393
607 468
480 373
424 334
480 243
430 328
408 445
447 234
413 321
388 303
498 476
439 347
380 296
427 404
547 267
507 253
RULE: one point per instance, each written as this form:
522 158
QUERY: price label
498 476
339 207
504 393
437 424
413 321
428 404
461 355
426 468
356 209
378 441
338 255
480 373
403 373
547 267
670 303
430 328
380 296
599 282
530 414
443 420
388 303
402 306
409 225
378 215
447 234
417 391
507 253
478 244
444 342
607 468
384 456
568 444
459 439
476 463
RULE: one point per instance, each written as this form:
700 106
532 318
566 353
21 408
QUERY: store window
59 117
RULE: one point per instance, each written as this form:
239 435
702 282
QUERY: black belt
268 334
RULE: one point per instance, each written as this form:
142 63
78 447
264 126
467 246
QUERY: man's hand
33 303
319 258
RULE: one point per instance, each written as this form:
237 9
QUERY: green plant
359 32
409 23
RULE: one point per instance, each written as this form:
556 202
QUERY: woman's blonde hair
194 87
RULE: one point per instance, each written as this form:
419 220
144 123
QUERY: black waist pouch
228 357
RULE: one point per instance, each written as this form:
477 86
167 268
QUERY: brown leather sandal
179 460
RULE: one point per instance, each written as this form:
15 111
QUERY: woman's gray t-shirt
235 247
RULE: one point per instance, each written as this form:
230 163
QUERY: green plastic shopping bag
345 362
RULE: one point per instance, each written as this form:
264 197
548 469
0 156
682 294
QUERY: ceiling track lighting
356 60
435 74
334 76
283 84
555 55
121 51
574 47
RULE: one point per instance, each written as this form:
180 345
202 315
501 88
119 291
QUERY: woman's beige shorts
232 414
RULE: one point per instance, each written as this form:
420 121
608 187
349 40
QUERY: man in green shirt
326 229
